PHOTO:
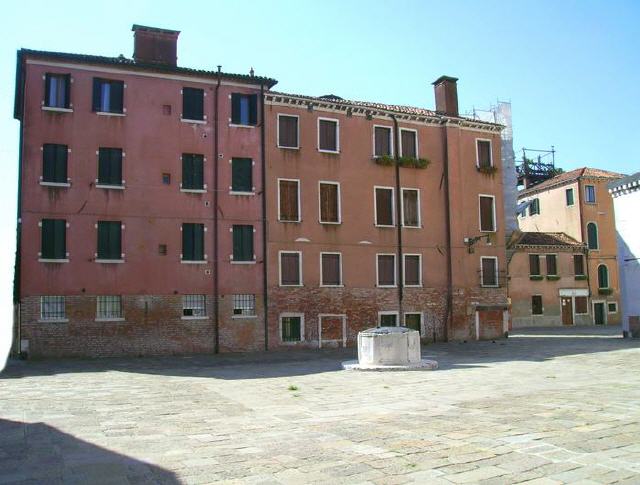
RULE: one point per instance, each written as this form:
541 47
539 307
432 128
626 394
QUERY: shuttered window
242 175
242 243
409 144
534 264
552 267
291 327
536 304
489 272
110 166
330 269
290 274
57 90
590 194
53 239
386 269
569 196
109 240
54 163
484 153
578 264
192 242
192 171
382 141
487 222
592 236
603 276
107 95
411 207
329 202
193 104
384 206
534 208
288 196
287 131
582 305
412 270
328 135
244 109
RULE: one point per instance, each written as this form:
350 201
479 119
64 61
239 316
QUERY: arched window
603 276
592 235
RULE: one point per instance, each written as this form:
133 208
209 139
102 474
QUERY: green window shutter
187 171
235 108
67 90
49 162
47 250
60 239
187 242
53 244
60 168
241 174
117 95
115 240
242 243
192 104
198 169
103 165
103 240
47 88
116 166
253 109
198 242
97 92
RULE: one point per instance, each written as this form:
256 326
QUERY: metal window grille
291 329
244 304
109 307
52 308
193 306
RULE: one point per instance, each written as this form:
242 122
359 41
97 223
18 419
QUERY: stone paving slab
546 406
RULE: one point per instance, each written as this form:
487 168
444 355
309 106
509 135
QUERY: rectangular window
194 306
244 305
109 240
578 264
193 104
536 304
54 163
244 109
489 271
110 166
487 213
290 268
192 171
57 90
582 306
382 141
109 308
411 207
387 319
192 242
534 265
534 208
291 328
612 307
568 193
483 151
412 270
328 135
590 194
52 308
386 270
241 175
288 200
242 243
288 131
552 267
330 269
329 202
384 206
54 239
408 143
107 95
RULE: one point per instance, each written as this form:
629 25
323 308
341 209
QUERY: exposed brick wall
240 334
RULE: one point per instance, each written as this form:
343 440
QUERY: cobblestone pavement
542 407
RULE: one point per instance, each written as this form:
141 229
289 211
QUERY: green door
413 321
599 315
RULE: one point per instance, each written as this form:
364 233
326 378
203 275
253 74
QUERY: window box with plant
553 277
580 277
605 291
406 162
487 170
536 277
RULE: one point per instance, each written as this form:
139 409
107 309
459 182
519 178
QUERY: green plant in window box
553 277
536 277
410 162
580 277
384 160
488 170
605 291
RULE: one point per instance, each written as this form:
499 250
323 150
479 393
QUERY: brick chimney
155 46
446 91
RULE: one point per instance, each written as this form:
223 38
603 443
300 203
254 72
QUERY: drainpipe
398 219
447 205
263 180
216 262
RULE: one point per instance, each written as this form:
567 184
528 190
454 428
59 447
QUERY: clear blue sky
570 68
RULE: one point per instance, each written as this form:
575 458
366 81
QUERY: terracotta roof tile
569 177
546 239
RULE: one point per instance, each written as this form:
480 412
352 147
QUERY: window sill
53 320
55 184
288 148
536 277
107 113
384 226
234 125
412 227
55 109
194 318
291 286
240 192
189 261
109 261
490 231
244 317
331 286
194 191
51 260
386 286
489 286
109 320
331 152
330 223
109 187
242 262
290 222
195 122
291 342
412 286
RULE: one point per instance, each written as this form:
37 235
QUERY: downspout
216 262
263 179
398 219
447 205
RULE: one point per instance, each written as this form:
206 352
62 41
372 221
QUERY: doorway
413 321
599 313
566 304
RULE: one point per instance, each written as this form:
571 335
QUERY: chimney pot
155 46
446 91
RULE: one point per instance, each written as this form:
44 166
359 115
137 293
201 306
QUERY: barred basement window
52 308
193 306
291 328
244 305
109 307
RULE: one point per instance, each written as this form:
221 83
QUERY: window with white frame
288 131
384 206
487 206
329 195
330 269
590 194
410 207
292 327
52 308
412 269
387 319
408 143
109 307
483 153
194 306
612 307
244 305
290 268
386 270
489 271
382 141
328 135
288 200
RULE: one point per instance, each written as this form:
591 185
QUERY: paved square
554 406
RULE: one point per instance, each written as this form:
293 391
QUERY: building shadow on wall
39 453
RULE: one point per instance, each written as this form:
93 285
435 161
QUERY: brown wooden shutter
328 139
408 143
384 207
290 268
410 207
289 200
329 203
331 269
412 270
489 272
484 153
386 270
578 264
382 139
288 131
551 265
534 264
581 304
486 214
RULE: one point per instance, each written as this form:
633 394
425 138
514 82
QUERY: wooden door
599 315
413 321
567 310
